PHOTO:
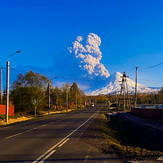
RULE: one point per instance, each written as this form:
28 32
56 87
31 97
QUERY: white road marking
130 118
47 156
48 151
13 135
32 129
63 142
43 125
153 126
43 155
64 118
52 122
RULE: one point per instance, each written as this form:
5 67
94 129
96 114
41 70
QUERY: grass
21 117
2 117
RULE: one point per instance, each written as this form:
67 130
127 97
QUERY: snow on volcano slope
114 85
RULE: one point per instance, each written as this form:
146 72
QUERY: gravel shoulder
101 135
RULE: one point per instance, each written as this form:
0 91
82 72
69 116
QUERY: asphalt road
54 139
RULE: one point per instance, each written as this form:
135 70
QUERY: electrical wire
151 66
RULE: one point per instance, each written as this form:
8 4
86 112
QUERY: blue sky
131 33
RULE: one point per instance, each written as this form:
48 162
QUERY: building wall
3 110
148 113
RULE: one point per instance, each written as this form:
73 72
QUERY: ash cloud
88 54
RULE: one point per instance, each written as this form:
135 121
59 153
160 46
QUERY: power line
148 80
152 66
151 80
131 70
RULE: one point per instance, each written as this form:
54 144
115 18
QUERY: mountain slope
113 84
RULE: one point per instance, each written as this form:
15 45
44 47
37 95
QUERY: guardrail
150 106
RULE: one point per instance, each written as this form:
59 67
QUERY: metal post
57 102
1 87
35 110
35 103
66 100
136 81
7 91
49 98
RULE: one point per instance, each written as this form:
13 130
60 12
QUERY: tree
27 88
31 79
76 94
65 89
55 96
160 96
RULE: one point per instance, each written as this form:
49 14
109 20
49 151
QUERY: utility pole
49 98
85 101
76 100
80 99
7 85
136 83
7 91
116 96
1 86
123 87
124 97
57 102
128 97
66 99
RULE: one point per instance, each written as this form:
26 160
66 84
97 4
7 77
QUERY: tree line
33 88
142 98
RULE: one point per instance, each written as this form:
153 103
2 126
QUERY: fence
3 110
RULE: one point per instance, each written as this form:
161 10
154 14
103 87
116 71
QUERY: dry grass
14 120
99 134
22 117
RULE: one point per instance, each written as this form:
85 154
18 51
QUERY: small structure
3 110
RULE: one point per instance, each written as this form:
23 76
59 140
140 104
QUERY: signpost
35 103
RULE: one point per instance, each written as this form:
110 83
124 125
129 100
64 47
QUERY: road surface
54 139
